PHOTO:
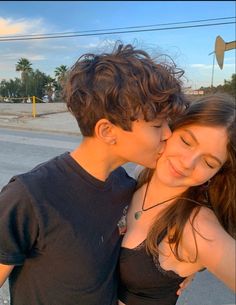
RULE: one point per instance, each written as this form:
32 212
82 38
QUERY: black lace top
143 281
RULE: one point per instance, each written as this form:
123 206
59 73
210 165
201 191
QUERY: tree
37 81
60 74
50 88
24 66
229 86
11 88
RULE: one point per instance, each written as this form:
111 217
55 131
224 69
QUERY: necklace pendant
138 214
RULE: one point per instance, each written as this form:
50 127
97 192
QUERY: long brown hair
219 195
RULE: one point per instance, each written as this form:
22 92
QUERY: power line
121 28
110 33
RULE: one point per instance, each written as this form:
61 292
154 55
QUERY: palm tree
60 74
50 88
24 66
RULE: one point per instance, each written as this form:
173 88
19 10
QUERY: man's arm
185 284
5 270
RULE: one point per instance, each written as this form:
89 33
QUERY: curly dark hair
120 87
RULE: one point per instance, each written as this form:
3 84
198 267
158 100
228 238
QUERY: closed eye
184 141
209 165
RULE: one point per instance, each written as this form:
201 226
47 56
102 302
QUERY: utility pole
213 68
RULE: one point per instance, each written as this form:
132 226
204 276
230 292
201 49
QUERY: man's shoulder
45 168
121 173
41 175
122 180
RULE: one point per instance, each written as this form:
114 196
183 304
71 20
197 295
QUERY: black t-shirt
144 281
58 226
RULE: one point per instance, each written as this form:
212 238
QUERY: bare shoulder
203 234
205 224
208 244
215 247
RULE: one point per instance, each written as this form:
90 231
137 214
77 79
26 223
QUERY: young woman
182 216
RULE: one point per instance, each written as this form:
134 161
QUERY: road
22 150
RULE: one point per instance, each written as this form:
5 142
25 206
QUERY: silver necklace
139 213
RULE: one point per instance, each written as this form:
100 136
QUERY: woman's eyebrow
192 135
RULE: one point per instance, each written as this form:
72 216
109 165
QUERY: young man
59 233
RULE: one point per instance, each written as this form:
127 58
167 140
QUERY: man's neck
96 158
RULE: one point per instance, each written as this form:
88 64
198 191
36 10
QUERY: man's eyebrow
196 141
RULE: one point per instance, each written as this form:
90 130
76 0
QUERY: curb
72 133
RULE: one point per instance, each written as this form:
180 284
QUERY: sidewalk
53 117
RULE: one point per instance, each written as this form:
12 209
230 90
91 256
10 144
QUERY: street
22 150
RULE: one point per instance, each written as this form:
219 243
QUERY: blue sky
188 47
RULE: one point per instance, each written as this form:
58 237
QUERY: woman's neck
161 191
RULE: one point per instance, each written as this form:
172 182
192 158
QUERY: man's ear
105 131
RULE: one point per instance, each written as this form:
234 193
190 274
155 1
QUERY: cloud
229 65
7 71
230 59
208 67
201 66
9 26
96 43
31 57
44 55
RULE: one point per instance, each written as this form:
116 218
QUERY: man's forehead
160 117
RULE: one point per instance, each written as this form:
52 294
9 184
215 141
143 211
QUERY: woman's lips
176 172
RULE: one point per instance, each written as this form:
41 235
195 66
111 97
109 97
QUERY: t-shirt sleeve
137 170
18 223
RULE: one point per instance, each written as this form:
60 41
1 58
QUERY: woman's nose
188 161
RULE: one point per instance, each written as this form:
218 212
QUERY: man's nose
166 132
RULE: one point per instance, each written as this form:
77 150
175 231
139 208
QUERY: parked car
45 99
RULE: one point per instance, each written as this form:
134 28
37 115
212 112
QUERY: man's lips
161 150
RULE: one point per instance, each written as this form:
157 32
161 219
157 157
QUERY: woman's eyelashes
185 141
209 165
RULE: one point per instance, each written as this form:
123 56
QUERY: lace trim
156 262
169 273
140 246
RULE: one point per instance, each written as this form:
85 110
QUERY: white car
45 99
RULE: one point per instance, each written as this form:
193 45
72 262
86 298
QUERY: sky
188 47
